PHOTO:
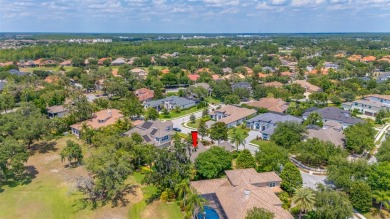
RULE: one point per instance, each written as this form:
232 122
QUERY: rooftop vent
247 192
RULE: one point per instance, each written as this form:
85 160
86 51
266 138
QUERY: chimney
247 192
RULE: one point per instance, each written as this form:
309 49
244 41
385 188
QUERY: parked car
176 129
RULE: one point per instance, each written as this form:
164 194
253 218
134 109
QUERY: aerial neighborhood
217 127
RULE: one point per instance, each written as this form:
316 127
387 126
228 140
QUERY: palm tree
182 189
383 197
193 201
304 199
238 138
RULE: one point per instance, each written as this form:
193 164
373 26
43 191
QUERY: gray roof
274 118
150 130
384 76
242 85
174 100
18 73
333 113
56 109
2 84
204 85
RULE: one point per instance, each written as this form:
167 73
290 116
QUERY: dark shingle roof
16 72
333 113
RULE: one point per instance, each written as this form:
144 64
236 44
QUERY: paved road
177 123
252 148
378 140
310 180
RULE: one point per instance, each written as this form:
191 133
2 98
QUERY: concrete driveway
310 181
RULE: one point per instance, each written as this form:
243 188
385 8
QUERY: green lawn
173 115
212 100
260 142
196 124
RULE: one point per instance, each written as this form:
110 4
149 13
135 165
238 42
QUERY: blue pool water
208 213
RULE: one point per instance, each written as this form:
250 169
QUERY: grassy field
50 192
212 100
55 68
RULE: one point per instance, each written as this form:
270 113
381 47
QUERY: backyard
49 191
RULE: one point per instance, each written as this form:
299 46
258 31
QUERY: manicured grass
212 100
196 124
260 142
173 115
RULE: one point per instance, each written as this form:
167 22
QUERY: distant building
2 85
118 61
365 106
17 72
57 111
267 122
139 72
98 40
310 88
157 132
170 103
272 104
384 76
144 95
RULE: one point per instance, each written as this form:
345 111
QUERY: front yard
173 114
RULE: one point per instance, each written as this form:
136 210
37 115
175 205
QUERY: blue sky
208 16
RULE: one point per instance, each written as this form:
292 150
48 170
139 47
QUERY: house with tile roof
333 134
66 63
271 104
156 132
170 103
267 122
276 84
193 77
310 88
118 61
99 119
232 197
333 114
232 115
139 72
144 94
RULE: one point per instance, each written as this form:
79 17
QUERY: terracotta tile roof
273 84
144 94
165 71
339 55
234 113
114 72
203 70
193 77
51 79
249 71
66 62
215 76
109 116
100 61
262 75
355 58
272 104
250 176
286 73
237 199
38 61
368 59
309 87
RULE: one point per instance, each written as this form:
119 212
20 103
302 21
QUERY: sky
195 16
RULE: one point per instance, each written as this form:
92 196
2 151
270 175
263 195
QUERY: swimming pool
208 213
